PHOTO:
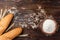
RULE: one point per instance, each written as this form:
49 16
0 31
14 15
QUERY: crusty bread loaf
13 33
5 22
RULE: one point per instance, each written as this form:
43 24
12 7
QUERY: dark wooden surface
51 6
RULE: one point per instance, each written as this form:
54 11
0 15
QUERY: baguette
5 21
4 38
13 33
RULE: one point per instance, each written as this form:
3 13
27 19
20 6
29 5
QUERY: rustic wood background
51 6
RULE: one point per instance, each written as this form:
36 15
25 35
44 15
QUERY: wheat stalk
23 35
4 13
1 12
10 27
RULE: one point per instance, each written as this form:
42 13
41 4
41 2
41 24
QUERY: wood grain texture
51 6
